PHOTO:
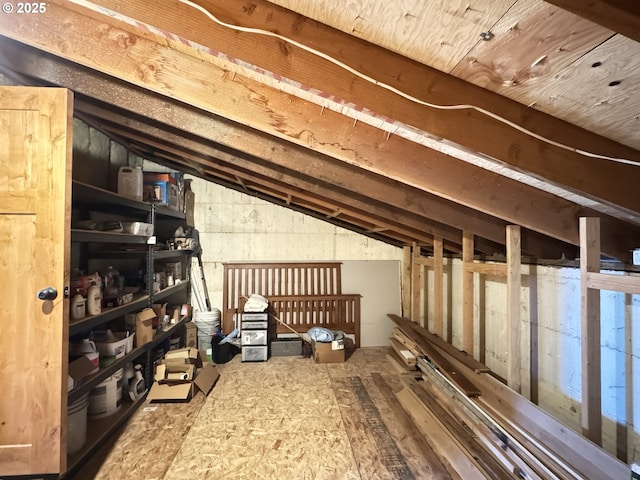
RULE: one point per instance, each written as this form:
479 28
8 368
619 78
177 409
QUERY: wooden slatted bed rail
301 294
335 312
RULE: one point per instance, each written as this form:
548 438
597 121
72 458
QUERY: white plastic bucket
130 182
77 424
207 322
106 398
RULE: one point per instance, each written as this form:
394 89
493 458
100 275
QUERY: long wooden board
464 435
437 468
459 464
435 340
447 369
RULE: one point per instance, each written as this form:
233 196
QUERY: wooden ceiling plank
259 144
622 16
468 128
604 82
530 43
446 30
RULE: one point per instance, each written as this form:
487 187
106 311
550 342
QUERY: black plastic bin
222 353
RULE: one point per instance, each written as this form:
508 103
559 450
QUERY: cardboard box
191 335
185 356
144 326
324 353
81 367
174 373
178 380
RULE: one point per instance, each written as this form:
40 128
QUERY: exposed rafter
468 135
423 181
622 16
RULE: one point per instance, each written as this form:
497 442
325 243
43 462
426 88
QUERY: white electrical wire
390 88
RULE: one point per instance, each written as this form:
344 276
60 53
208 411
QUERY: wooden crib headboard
302 294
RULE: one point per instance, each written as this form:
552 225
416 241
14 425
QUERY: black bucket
222 353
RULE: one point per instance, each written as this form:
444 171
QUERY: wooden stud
406 281
590 334
438 288
467 292
415 283
513 306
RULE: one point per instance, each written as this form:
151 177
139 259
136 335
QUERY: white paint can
106 398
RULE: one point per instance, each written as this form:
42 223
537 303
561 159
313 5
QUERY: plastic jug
94 299
85 346
130 180
77 307
137 386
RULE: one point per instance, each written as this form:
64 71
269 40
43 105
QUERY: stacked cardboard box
181 374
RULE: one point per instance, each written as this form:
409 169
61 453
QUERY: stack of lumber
402 352
480 428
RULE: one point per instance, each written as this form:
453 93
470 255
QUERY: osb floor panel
287 418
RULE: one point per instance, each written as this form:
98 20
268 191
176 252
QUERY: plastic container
112 282
109 345
78 307
77 424
137 386
207 322
106 398
94 300
130 182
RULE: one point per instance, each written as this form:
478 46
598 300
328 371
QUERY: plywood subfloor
287 418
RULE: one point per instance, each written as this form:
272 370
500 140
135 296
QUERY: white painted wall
377 281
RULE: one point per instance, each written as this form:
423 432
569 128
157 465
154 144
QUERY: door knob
48 293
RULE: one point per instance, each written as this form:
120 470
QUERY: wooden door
35 194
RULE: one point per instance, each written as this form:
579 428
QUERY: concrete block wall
551 343
237 227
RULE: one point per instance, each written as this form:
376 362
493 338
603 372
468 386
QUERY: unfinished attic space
317 239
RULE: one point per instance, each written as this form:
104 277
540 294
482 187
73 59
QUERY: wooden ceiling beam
622 16
336 201
303 182
306 75
52 70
